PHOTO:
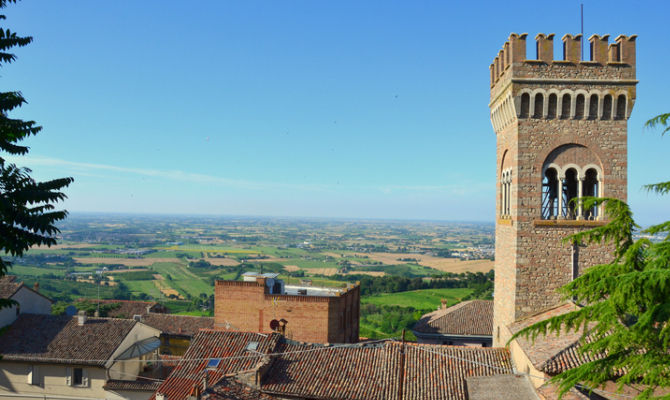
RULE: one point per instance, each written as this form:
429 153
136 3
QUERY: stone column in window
560 197
580 188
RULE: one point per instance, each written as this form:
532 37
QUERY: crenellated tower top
610 70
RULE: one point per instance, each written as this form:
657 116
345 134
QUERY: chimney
36 287
444 304
161 396
81 318
137 317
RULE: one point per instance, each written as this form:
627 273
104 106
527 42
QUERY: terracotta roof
59 339
141 385
552 353
348 372
474 317
208 344
171 324
435 372
367 371
9 286
228 388
127 308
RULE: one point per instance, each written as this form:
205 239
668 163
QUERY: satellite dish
274 324
70 311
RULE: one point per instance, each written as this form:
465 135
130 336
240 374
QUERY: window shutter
30 375
68 376
84 377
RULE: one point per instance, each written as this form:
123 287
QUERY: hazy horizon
375 110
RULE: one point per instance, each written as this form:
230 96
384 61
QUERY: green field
426 299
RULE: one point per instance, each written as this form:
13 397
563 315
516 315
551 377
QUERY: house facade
61 357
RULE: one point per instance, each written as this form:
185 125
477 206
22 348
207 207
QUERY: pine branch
659 120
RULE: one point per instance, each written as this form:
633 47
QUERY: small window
565 106
593 107
77 376
213 363
621 107
607 107
579 107
252 346
525 105
539 106
553 105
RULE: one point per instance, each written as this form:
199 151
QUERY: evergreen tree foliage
625 304
27 211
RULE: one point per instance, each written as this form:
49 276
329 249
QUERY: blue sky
373 109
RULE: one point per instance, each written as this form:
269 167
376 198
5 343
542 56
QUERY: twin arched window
561 189
506 193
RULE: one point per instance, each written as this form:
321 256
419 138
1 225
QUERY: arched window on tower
565 106
593 107
525 105
607 107
539 106
553 104
570 194
621 107
550 194
579 107
591 188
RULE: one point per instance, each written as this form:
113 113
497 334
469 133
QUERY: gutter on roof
441 335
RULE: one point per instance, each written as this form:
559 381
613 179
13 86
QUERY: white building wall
31 302
51 383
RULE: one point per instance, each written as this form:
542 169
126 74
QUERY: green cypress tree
625 309
27 211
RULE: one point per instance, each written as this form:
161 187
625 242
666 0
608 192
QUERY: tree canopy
27 210
625 304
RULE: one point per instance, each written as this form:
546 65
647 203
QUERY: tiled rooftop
9 286
215 344
361 371
128 308
59 339
552 353
474 317
183 325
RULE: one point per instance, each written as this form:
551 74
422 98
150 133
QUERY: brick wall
532 260
247 306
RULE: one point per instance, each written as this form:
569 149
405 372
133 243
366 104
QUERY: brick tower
561 129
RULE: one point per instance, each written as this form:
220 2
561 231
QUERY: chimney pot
81 318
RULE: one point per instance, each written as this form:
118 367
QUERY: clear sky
371 109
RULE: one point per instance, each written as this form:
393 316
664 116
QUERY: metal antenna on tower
582 41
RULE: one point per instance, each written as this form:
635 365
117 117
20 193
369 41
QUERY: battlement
614 61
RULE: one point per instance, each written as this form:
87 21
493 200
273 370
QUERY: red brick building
310 314
561 128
